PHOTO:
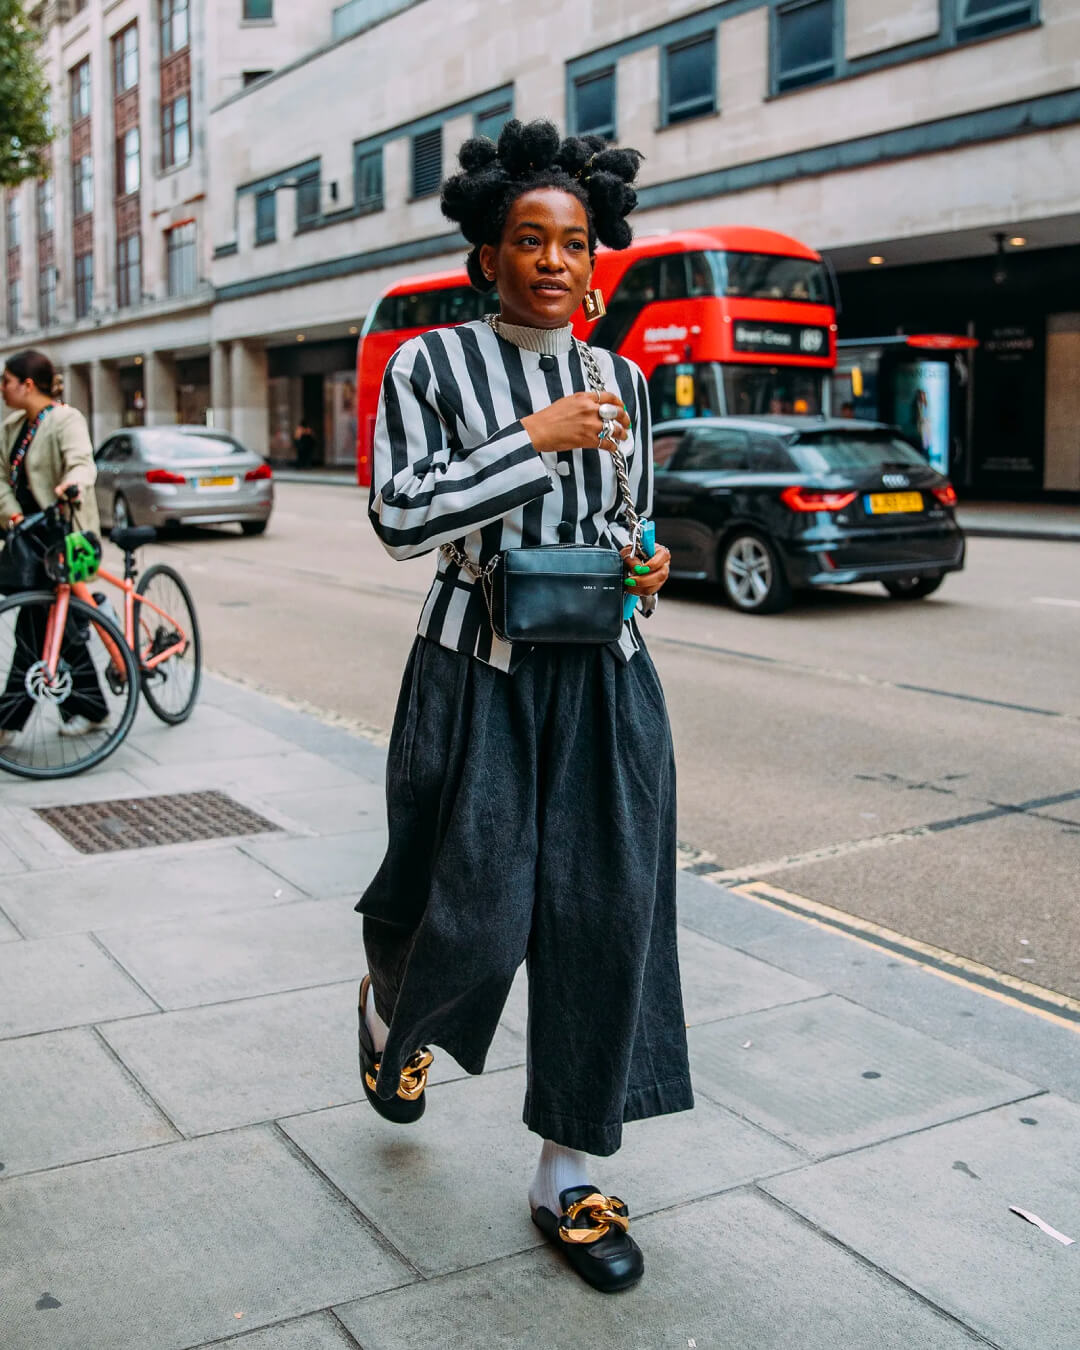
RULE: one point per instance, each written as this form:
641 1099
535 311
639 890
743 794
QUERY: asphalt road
917 765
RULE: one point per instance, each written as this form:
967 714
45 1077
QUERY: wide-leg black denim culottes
532 817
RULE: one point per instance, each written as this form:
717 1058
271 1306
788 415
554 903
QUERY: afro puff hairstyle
532 155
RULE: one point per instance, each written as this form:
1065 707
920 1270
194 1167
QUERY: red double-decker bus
727 319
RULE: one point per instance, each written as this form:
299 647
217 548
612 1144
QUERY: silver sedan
182 475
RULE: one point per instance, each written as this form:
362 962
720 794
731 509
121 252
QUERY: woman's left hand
62 488
646 583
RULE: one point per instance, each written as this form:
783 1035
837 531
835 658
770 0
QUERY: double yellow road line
1032 998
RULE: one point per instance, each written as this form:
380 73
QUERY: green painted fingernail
631 581
640 569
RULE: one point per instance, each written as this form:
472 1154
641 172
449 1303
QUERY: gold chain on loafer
605 1212
413 1079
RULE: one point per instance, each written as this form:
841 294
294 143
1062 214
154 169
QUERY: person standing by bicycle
45 449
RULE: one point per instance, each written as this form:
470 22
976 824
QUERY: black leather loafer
409 1102
591 1234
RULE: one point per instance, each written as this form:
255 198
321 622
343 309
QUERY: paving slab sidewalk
187 1159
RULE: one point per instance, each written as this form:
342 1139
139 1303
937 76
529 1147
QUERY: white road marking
1055 600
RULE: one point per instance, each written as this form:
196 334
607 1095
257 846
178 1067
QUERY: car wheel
913 588
254 526
752 575
121 513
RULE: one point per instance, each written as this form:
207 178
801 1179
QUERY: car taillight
946 495
165 476
256 475
811 499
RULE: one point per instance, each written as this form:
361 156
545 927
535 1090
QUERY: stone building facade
924 147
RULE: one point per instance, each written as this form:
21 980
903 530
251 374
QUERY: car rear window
830 451
182 445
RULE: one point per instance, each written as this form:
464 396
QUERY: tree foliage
25 132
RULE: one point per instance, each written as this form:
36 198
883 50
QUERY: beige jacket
61 450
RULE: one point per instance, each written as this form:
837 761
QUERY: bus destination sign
786 339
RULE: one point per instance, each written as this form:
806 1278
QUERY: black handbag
22 561
558 593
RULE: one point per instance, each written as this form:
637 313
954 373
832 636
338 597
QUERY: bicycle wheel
171 687
56 726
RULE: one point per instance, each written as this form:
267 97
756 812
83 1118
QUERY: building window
13 213
46 207
82 181
804 44
175 31
180 257
265 217
980 18
127 163
368 174
593 108
308 200
175 132
254 76
14 304
84 285
129 271
492 120
258 9
47 296
80 91
427 162
689 84
126 59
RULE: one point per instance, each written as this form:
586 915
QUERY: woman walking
530 788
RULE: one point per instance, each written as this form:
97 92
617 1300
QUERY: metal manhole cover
142 822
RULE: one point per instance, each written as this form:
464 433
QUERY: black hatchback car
768 505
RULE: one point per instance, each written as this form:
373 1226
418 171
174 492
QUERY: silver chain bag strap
559 593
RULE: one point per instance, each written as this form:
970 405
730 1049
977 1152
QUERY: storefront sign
1010 398
793 339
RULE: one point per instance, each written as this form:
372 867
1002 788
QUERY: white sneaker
81 726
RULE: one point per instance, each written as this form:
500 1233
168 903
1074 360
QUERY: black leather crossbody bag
558 593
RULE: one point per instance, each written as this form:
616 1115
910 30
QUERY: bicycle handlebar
71 496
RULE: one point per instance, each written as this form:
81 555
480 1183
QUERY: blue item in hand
648 547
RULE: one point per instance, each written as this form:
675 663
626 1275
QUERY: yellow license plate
217 482
889 503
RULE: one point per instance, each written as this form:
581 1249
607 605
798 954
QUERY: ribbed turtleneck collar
546 341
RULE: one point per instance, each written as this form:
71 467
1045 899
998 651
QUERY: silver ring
609 410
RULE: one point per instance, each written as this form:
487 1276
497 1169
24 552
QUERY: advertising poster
921 403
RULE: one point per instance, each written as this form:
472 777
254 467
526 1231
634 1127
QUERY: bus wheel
752 575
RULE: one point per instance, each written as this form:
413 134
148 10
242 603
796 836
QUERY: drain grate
141 822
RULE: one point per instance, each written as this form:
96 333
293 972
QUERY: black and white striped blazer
452 462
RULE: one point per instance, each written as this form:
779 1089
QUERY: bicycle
73 674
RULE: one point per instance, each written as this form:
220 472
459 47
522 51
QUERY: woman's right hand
574 423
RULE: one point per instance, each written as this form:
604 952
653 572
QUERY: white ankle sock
558 1169
378 1028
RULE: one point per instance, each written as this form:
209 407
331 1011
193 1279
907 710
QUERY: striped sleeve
426 488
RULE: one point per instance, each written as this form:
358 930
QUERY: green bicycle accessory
82 555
